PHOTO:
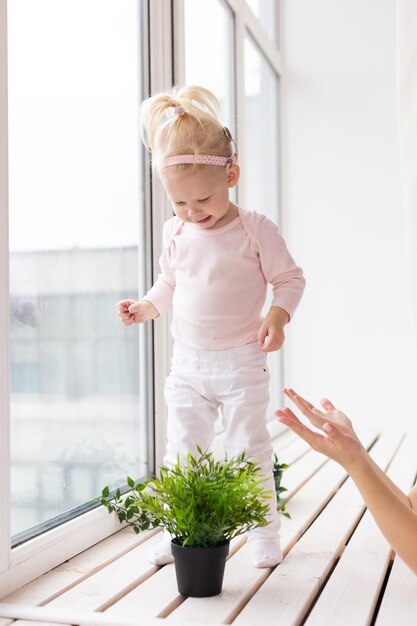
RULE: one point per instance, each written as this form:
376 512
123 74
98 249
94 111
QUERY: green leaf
106 492
203 502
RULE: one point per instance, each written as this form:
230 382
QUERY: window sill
113 583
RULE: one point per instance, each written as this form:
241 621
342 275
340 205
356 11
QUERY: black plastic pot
200 570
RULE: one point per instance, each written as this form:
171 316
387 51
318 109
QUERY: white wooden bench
338 569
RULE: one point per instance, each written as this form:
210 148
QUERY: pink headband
199 159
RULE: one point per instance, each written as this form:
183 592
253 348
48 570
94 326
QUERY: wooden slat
114 582
403 469
285 438
75 617
301 471
354 587
147 600
287 594
27 622
292 452
110 583
75 570
399 604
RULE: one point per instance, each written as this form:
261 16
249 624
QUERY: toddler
216 263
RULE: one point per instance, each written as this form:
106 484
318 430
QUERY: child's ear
233 176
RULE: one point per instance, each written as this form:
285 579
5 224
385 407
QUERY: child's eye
205 199
179 203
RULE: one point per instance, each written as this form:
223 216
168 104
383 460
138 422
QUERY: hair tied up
227 133
175 111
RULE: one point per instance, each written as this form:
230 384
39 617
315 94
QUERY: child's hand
341 444
132 312
271 333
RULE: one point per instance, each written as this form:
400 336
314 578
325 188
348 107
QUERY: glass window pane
261 158
210 63
267 12
74 91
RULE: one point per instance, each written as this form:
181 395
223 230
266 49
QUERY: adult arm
394 512
390 508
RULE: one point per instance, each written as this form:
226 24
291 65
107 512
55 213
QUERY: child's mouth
204 220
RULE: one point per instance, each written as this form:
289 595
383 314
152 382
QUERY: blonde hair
192 128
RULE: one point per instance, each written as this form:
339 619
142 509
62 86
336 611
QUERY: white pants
237 381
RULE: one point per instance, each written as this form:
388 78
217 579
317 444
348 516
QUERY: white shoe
161 553
264 553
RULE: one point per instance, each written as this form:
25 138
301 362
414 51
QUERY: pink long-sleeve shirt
216 280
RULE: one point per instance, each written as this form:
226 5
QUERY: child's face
202 197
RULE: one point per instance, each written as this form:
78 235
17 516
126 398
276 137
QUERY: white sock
161 554
264 553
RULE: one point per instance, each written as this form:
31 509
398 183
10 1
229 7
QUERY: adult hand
132 312
390 507
340 441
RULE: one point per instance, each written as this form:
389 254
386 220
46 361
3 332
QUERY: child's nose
192 212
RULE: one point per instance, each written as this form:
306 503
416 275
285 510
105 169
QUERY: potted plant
203 504
278 469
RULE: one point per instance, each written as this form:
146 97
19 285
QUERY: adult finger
287 413
327 405
293 395
315 416
315 440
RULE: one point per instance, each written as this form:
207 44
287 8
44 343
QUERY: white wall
351 338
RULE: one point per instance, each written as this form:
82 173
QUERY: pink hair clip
200 159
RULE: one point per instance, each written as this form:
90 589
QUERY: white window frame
4 308
38 555
25 562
